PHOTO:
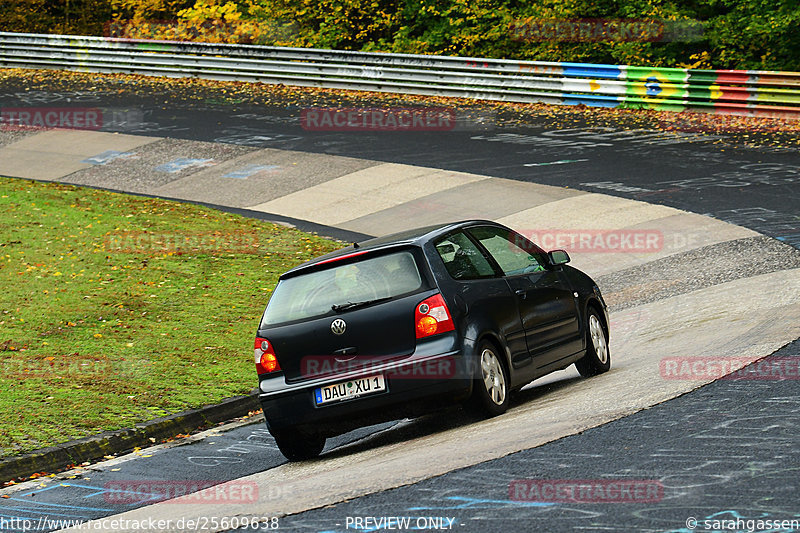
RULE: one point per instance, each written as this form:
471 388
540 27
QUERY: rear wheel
597 359
297 446
490 390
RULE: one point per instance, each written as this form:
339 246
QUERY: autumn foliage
743 34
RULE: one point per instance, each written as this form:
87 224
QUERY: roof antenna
355 246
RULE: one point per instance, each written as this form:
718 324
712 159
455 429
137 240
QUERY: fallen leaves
280 99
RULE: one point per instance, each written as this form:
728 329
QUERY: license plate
348 390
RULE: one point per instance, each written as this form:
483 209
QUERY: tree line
735 34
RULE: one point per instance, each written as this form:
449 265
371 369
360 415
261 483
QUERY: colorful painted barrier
739 92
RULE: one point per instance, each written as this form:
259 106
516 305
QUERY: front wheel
597 359
490 390
297 446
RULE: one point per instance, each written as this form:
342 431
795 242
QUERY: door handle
521 293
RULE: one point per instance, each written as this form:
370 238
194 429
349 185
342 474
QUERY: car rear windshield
314 294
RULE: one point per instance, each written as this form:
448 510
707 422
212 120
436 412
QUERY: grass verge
117 309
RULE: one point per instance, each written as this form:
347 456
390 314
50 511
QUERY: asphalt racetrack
718 456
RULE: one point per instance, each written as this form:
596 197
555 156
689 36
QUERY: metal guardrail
741 92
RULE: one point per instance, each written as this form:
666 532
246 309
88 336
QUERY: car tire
597 359
490 388
296 446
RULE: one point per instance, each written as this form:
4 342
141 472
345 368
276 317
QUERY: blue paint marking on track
25 507
59 506
249 170
96 490
182 163
106 157
33 513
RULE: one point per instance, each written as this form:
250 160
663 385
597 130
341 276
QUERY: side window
462 259
513 255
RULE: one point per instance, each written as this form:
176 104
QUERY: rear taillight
266 361
431 317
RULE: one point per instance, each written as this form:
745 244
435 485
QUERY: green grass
117 309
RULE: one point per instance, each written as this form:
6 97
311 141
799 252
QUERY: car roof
413 237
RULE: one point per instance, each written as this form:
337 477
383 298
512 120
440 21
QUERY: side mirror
558 257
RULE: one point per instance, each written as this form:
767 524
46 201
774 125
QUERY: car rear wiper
353 305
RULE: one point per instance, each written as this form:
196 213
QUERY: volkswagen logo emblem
338 326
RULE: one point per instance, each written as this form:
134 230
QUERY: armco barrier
739 92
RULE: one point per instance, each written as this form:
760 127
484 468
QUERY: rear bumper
413 386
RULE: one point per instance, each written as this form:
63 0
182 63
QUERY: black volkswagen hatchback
392 327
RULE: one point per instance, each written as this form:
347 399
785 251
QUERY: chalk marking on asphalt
182 163
108 156
468 503
249 170
61 505
559 162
